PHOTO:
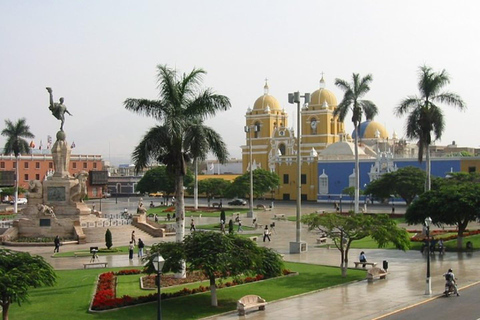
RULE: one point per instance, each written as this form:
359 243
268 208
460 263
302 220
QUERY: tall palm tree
181 135
425 115
16 144
351 101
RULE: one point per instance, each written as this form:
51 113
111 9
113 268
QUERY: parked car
237 202
20 201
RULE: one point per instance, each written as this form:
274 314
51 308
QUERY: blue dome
368 130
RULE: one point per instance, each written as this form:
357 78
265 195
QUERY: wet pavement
404 286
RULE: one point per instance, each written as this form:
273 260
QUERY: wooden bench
321 240
104 264
376 273
373 264
250 301
254 238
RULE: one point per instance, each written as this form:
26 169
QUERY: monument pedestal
298 247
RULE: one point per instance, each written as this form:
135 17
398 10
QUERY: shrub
108 239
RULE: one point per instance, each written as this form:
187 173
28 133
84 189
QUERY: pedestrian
239 225
141 245
169 216
272 227
57 244
156 218
222 226
133 238
363 258
237 218
192 226
254 223
266 234
130 250
230 226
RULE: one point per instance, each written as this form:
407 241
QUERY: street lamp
428 289
249 129
158 263
298 245
340 203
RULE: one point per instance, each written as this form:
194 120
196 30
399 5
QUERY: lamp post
340 203
158 263
298 245
428 222
248 129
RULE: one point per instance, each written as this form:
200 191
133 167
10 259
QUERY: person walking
130 250
56 241
222 226
266 234
239 225
132 239
230 226
141 245
192 226
363 258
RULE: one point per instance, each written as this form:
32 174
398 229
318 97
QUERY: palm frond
406 104
450 99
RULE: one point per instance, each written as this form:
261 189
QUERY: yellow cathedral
271 144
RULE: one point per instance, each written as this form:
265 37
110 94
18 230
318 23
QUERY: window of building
323 183
37 176
304 179
74 165
25 177
472 169
94 165
282 149
313 126
257 129
37 165
351 179
285 179
14 165
286 196
304 197
84 165
94 192
25 165
50 165
2 165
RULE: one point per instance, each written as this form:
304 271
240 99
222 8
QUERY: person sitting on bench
363 258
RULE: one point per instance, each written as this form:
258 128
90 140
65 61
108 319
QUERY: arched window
257 130
313 125
323 183
281 149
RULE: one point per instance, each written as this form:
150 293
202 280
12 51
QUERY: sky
96 54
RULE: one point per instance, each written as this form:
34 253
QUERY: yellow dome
266 101
372 129
322 95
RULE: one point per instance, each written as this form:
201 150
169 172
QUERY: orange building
40 166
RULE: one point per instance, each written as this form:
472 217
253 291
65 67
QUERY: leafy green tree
108 239
456 201
19 271
264 181
214 187
16 134
425 116
216 255
344 229
181 108
160 179
407 182
352 101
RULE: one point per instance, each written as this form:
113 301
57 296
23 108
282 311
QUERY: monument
55 205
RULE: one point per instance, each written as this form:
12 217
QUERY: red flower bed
419 237
105 296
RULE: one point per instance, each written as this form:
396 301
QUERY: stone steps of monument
121 235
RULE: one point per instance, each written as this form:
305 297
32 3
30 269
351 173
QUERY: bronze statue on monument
58 109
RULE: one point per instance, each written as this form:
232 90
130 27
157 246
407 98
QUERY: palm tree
351 101
16 144
425 115
181 136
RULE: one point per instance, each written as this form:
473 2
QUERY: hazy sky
98 53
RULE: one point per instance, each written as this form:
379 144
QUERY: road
465 307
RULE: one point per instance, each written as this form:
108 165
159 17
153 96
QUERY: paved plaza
404 286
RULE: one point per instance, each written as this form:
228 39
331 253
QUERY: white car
20 201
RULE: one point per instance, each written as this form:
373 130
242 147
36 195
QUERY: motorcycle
449 290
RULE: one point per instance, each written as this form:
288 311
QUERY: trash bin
385 265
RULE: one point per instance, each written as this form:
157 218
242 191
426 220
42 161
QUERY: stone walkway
404 286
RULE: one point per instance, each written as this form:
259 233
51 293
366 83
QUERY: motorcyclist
451 282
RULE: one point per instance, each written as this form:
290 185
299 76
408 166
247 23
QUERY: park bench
279 216
254 238
250 301
104 264
321 240
373 264
376 273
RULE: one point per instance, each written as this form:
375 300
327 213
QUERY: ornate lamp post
428 222
248 129
298 246
158 263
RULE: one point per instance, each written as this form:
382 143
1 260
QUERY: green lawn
71 296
